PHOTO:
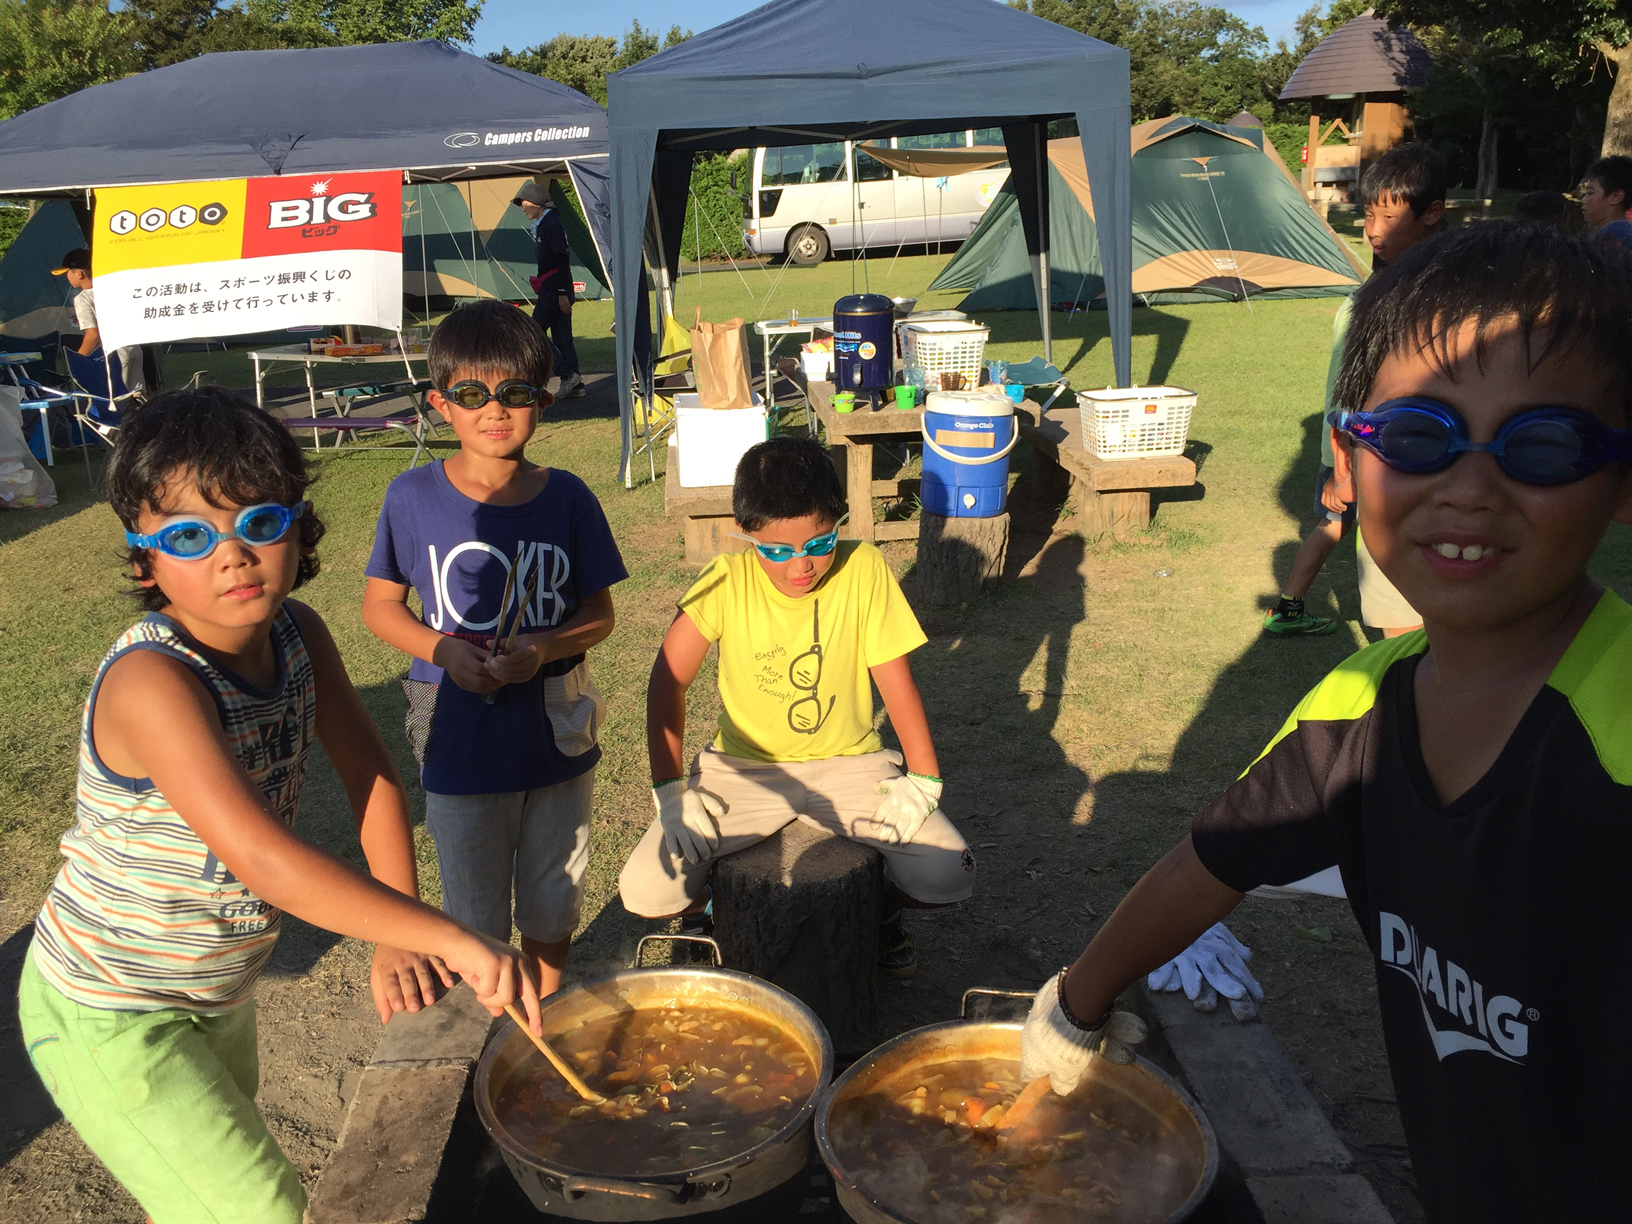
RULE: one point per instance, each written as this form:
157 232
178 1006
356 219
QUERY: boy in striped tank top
137 995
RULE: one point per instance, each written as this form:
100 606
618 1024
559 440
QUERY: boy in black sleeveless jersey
1472 779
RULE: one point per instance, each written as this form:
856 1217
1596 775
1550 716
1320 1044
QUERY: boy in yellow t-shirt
805 625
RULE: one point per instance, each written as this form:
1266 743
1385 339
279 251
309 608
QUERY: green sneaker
1297 624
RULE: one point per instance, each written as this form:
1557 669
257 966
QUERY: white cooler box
712 440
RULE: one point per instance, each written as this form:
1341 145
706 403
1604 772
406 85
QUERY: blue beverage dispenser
863 344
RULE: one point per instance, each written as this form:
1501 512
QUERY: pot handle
575 1188
986 992
640 948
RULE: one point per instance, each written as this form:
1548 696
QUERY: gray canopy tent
796 73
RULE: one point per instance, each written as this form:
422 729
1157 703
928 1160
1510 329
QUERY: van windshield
822 163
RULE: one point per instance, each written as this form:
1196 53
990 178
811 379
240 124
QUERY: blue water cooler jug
863 343
967 439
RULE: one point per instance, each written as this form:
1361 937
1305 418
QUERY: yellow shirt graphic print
793 672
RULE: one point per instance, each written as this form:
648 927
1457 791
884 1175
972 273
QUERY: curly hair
234 454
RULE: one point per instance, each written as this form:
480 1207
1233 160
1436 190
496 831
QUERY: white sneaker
571 388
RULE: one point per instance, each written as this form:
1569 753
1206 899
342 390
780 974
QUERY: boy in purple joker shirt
506 741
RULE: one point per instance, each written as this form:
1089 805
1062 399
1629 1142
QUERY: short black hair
1415 173
236 455
493 338
786 478
1541 206
1569 294
1613 174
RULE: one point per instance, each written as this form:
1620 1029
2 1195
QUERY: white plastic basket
1135 422
947 346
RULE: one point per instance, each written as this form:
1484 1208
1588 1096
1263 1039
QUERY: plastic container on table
967 439
1135 422
945 347
712 440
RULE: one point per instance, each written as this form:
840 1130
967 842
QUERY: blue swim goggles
1539 446
193 539
816 546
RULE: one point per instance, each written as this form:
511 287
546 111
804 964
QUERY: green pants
166 1099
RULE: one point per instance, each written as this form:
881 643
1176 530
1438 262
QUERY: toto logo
462 140
154 219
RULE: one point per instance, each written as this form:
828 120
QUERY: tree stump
957 555
801 910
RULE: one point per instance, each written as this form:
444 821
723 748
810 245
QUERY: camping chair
671 374
1040 373
36 397
415 424
99 405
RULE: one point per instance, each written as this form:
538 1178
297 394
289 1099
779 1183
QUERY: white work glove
688 817
908 801
1216 964
1051 1045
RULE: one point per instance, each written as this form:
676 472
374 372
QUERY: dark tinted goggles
1539 446
512 393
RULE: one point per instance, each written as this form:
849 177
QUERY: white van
809 200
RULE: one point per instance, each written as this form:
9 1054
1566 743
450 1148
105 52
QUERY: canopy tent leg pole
424 261
1040 279
1045 288
665 311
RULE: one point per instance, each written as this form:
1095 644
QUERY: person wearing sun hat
553 310
76 266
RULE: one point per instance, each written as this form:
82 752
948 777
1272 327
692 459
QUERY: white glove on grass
1051 1045
688 819
908 801
1216 964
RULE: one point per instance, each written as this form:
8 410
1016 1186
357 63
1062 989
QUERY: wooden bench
704 513
1113 495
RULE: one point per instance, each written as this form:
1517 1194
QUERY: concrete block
1343 1198
1264 1116
454 1028
390 1148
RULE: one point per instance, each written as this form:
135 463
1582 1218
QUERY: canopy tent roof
791 73
1365 55
468 240
1216 215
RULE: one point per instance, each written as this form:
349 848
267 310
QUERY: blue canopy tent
430 110
797 73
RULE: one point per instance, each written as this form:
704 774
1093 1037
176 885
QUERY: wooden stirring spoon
556 1061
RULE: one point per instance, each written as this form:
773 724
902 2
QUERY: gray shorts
1321 513
839 794
536 842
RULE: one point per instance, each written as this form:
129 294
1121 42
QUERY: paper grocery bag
719 358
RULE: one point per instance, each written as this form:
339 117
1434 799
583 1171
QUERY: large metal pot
589 1194
1142 1082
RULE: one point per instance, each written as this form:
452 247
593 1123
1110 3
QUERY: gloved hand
1051 1045
688 817
1216 964
908 801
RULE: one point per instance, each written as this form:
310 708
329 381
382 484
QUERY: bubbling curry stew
686 1086
927 1142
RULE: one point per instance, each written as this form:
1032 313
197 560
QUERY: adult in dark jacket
553 311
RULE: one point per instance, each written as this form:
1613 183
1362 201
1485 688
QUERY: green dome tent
467 240
1216 216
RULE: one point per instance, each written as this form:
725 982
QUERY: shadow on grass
1090 328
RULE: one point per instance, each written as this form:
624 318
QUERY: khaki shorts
839 794
1381 606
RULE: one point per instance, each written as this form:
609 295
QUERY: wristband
1070 1016
666 781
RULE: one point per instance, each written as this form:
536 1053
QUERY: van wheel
807 245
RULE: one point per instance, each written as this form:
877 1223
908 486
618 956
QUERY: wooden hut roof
1365 55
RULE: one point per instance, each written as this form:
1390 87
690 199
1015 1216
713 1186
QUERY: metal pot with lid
888 1170
728 1177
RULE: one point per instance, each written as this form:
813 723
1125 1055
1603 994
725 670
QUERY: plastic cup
906 397
844 401
1015 391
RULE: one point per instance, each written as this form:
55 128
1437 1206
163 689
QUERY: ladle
556 1061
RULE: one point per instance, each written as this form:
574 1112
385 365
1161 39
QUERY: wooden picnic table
858 431
1113 495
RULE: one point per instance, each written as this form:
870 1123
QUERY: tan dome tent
1216 216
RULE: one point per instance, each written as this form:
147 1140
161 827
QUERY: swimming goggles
192 539
512 393
816 546
1539 446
